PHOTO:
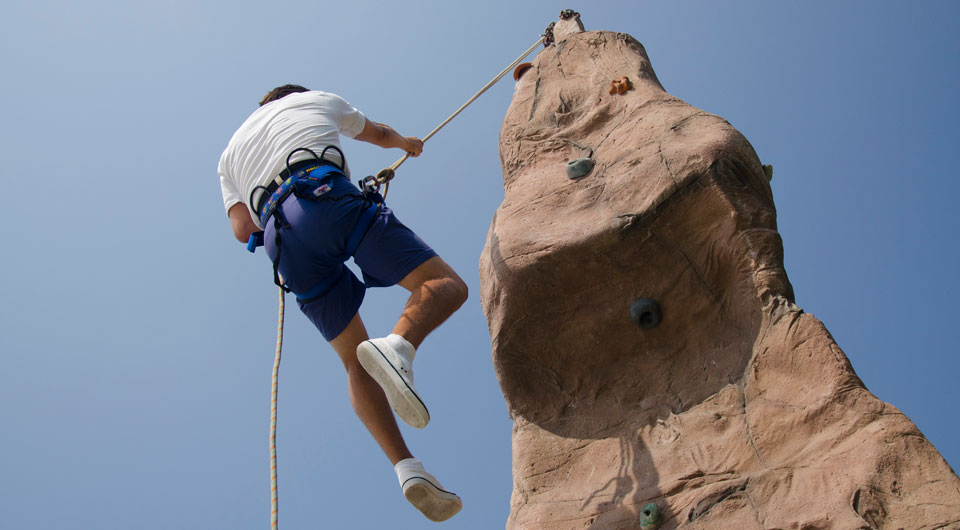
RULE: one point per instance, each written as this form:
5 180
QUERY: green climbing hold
650 517
768 171
579 168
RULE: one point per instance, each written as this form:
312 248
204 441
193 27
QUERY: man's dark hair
281 91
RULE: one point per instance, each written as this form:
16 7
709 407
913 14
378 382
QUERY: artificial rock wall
739 411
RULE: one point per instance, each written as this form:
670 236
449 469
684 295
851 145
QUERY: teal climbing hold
579 168
650 517
768 171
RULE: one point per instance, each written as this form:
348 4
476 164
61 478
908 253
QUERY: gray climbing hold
645 313
579 168
650 517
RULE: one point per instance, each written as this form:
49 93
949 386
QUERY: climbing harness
309 179
305 179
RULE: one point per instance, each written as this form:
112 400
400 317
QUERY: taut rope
385 175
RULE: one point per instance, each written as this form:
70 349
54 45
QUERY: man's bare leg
436 291
368 399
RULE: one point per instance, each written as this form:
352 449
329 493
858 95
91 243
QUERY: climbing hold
620 86
579 168
520 69
645 313
768 171
650 517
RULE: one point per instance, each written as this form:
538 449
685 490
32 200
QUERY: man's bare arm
241 222
382 135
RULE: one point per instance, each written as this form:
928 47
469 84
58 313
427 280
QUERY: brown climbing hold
620 86
520 69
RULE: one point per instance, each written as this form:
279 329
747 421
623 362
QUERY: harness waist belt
303 166
277 191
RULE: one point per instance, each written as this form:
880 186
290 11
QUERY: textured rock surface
739 411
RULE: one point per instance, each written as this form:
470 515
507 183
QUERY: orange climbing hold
620 86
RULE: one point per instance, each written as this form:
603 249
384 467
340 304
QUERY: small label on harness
320 190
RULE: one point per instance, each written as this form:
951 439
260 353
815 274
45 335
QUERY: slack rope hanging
274 508
383 177
386 175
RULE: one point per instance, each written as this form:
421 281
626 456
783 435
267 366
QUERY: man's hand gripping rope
373 183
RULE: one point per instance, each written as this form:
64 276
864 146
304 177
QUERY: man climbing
283 173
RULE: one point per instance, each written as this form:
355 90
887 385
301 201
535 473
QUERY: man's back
258 150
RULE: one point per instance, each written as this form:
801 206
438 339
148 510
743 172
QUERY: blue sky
136 337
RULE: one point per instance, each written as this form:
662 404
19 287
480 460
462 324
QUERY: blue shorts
313 249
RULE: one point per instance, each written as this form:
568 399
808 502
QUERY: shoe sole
434 503
403 400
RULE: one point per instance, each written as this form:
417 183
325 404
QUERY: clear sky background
137 336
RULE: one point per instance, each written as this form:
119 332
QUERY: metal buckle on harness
371 184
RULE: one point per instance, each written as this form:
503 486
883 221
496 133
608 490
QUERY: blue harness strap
270 205
286 188
256 240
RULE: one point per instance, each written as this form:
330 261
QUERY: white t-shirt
258 151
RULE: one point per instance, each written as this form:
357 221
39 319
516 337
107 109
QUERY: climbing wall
645 334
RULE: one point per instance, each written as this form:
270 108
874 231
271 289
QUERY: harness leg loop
279 221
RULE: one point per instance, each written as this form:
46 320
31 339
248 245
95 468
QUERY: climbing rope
386 175
371 183
273 419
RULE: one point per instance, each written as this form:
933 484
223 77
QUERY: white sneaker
424 491
394 373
